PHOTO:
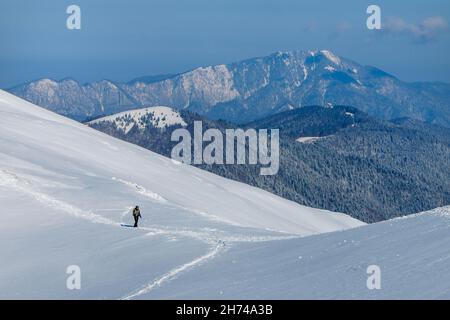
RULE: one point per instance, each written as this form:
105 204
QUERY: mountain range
252 89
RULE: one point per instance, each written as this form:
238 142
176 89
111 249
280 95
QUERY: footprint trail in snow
217 240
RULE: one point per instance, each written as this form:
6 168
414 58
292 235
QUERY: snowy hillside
158 117
412 254
65 190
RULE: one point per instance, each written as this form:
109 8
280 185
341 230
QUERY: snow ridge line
172 274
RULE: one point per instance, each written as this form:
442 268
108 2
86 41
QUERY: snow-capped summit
157 117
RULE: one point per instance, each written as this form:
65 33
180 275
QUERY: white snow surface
307 140
331 57
65 190
412 254
159 117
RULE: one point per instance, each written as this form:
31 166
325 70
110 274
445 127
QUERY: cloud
341 28
311 26
427 30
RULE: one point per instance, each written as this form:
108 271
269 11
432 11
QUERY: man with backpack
136 215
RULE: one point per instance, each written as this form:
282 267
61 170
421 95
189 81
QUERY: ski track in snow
211 237
9 179
154 196
142 190
172 274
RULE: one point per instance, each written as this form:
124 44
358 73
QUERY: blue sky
121 40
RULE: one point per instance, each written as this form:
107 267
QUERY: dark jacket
136 212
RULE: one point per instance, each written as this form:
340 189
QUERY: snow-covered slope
158 117
412 254
65 190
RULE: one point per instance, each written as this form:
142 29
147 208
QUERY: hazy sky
120 40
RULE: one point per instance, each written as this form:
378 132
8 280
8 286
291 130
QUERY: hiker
136 215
